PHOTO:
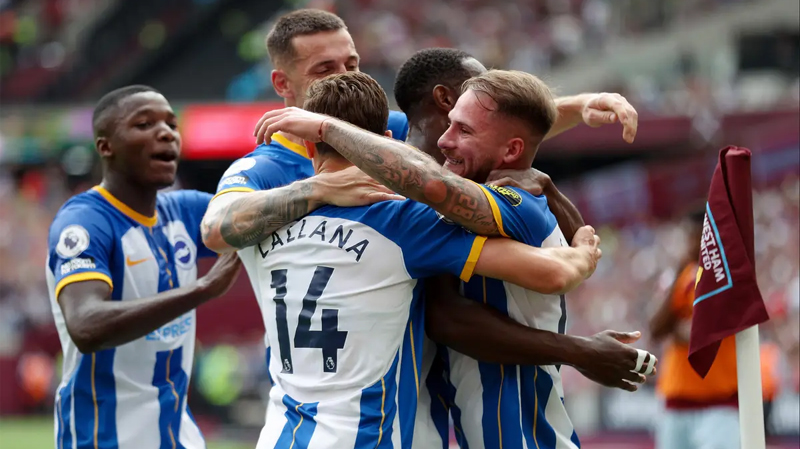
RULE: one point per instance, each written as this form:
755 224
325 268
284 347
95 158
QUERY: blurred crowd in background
48 56
41 41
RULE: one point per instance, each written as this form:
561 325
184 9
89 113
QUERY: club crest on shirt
184 256
74 240
509 195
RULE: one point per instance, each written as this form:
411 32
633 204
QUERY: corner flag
727 299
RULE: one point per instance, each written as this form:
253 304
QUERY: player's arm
398 166
537 183
95 322
546 270
595 110
81 244
236 220
485 334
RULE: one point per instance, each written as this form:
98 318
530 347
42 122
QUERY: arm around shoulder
544 270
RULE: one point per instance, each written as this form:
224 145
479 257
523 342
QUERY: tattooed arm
413 174
394 164
236 220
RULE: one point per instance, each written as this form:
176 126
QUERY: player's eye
173 126
143 125
352 68
463 130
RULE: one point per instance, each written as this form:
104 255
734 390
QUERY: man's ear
388 133
443 97
311 149
281 83
102 145
514 149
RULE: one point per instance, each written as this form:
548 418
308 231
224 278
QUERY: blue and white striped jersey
280 163
132 396
493 405
341 304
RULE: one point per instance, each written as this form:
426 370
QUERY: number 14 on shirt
330 339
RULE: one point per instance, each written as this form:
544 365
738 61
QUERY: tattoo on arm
250 219
415 175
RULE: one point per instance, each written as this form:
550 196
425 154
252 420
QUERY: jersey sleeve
430 243
520 215
80 245
398 125
193 205
250 173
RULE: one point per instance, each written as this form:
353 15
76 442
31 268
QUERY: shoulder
378 215
515 197
266 160
398 124
79 219
394 219
259 158
85 207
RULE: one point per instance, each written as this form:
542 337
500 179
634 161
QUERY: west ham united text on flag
727 299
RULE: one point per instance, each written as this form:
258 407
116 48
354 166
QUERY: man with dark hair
508 124
427 68
353 383
123 284
431 72
429 83
105 111
274 184
288 31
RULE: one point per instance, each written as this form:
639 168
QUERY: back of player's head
354 97
105 111
517 95
298 23
424 70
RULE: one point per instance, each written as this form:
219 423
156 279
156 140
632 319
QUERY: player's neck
332 164
293 139
140 200
288 104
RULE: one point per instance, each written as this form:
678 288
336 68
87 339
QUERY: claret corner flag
727 299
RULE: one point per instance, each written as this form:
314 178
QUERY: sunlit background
701 73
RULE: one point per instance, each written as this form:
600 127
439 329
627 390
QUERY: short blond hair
518 95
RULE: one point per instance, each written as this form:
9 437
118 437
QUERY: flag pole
748 373
748 353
